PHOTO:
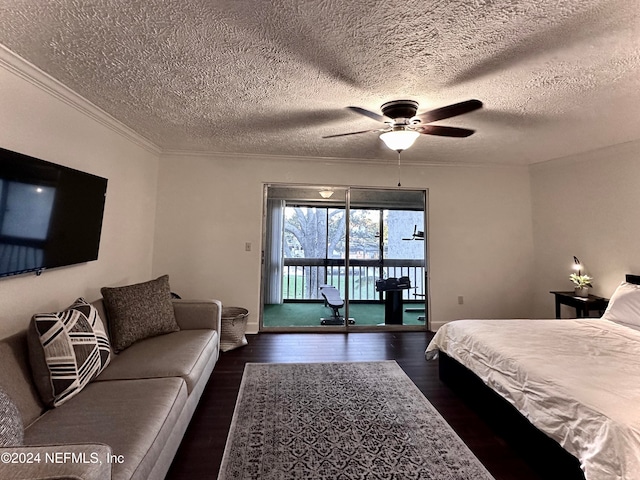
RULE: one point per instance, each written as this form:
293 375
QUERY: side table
583 305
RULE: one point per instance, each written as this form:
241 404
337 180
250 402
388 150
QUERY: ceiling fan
403 125
417 234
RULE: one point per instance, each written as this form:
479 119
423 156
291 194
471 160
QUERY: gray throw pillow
67 350
139 311
11 428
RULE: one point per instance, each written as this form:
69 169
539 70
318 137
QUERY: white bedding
576 380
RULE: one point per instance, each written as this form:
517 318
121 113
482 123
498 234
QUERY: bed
576 380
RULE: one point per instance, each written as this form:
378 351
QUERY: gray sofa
127 423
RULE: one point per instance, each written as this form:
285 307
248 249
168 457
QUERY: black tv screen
50 215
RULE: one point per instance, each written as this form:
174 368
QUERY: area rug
358 420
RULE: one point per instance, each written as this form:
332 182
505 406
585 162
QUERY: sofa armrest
75 461
194 314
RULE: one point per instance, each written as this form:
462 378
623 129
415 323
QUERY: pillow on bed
624 306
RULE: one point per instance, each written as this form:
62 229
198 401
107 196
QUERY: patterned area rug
360 420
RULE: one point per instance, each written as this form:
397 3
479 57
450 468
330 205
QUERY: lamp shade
576 264
399 139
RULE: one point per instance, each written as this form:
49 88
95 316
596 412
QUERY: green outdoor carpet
309 314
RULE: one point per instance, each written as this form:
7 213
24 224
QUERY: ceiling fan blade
354 133
444 131
367 113
450 111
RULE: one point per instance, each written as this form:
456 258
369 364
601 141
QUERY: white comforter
576 380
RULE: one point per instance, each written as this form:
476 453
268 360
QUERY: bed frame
635 279
542 452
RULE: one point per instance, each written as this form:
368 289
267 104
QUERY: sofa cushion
16 377
52 462
180 354
139 311
11 428
67 350
134 417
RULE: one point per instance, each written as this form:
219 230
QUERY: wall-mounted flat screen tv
50 215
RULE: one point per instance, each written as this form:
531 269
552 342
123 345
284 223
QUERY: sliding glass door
330 252
387 258
305 233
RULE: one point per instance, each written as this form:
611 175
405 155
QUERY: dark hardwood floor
201 451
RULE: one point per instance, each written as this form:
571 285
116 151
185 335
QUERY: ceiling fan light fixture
399 140
326 193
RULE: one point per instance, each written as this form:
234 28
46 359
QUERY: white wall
483 221
40 118
480 231
586 205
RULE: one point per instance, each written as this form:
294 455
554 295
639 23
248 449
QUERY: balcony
302 277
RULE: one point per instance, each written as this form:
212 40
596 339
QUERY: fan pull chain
399 184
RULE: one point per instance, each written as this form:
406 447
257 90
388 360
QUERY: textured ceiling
272 77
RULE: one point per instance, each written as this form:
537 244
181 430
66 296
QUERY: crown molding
235 156
22 68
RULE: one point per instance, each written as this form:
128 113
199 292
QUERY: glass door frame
347 264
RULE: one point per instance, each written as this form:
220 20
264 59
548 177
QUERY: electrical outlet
247 247
460 299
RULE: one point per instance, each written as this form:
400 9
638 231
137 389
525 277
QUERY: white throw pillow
624 306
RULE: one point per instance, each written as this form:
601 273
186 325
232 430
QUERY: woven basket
234 325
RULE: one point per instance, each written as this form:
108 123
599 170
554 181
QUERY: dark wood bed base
543 453
635 279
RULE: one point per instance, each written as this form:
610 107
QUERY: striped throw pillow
67 350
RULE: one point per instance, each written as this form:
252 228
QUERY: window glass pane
336 240
315 236
364 234
404 234
305 232
404 242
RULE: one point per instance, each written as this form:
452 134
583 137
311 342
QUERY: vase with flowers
581 283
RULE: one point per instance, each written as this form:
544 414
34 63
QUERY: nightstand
583 305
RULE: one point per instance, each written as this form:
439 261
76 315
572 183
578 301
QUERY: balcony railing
302 277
